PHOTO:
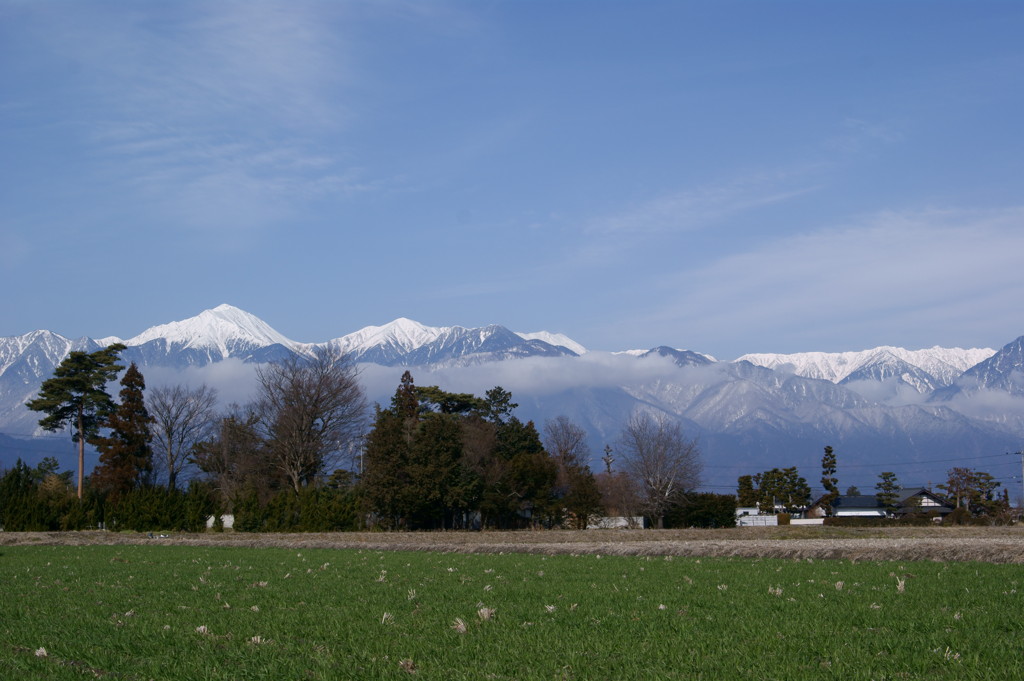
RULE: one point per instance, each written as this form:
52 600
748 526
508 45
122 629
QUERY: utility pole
1021 455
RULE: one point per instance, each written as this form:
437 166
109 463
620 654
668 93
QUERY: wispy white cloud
624 239
269 63
857 135
731 199
213 116
923 277
704 206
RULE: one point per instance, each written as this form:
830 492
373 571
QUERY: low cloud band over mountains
915 412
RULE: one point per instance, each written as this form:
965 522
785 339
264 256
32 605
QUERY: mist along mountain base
880 407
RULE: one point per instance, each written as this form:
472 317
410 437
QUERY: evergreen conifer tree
76 395
525 476
435 472
126 457
828 478
783 487
746 494
386 472
406 403
888 493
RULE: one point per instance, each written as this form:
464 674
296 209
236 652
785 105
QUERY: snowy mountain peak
45 342
41 335
555 339
409 343
1004 370
402 333
220 328
680 357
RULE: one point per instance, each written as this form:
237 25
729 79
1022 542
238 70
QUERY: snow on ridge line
554 339
214 329
402 332
224 324
12 347
410 335
109 340
835 366
218 327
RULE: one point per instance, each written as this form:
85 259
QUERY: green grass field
177 612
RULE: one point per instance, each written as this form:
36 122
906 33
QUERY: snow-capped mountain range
886 405
939 365
227 331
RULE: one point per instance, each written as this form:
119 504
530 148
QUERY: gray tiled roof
871 501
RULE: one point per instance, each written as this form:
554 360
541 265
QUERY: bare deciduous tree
566 441
313 413
234 458
664 463
182 417
619 496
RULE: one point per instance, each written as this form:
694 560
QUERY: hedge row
907 521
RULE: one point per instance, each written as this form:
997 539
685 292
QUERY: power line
916 463
898 464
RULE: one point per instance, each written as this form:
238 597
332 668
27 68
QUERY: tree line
442 460
306 454
306 413
973 493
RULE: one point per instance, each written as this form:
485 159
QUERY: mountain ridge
882 403
212 329
945 364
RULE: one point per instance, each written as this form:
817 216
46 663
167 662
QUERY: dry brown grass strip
985 544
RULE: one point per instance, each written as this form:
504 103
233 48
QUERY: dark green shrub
703 510
312 510
249 515
199 505
20 507
959 516
148 509
282 512
330 510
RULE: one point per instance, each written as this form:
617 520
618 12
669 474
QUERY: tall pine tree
385 467
828 479
406 402
746 494
126 458
76 395
385 475
888 493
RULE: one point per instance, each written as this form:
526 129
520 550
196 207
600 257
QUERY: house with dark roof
910 500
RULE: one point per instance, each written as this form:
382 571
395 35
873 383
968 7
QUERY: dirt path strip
984 544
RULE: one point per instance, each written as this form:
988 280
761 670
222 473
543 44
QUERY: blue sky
727 177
